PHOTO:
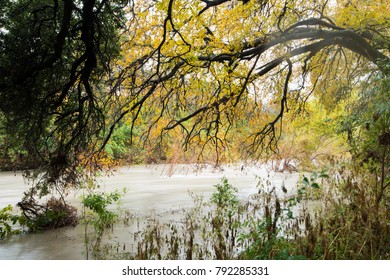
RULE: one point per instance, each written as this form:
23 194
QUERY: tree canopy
72 71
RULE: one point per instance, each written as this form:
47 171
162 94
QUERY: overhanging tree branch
66 71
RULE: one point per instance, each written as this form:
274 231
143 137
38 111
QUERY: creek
160 190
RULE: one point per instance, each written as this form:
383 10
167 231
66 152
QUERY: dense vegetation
87 85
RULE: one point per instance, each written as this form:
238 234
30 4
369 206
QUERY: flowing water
158 189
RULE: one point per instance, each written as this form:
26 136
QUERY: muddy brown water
159 189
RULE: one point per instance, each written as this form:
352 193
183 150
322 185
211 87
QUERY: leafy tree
368 130
214 59
55 63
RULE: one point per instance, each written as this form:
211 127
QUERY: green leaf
323 175
306 181
315 185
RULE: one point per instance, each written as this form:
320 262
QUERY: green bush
7 222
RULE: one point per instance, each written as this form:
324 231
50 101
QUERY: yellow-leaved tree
224 74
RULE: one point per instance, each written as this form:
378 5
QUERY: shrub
7 221
55 213
99 217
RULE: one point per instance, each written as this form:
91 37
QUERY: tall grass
333 215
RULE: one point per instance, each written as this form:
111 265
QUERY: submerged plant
55 213
97 214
